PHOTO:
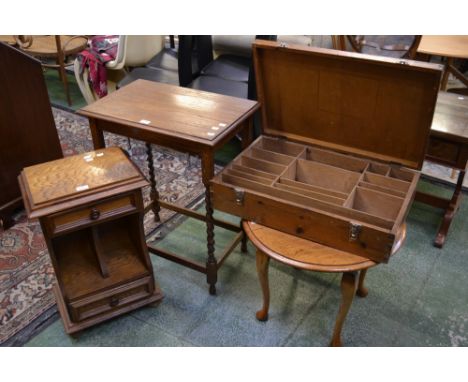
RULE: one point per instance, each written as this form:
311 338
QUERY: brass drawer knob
94 214
114 301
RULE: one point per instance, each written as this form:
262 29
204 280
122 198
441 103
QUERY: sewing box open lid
375 107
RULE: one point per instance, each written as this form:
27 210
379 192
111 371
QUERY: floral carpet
26 275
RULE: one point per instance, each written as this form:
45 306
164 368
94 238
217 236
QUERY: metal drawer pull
94 214
114 301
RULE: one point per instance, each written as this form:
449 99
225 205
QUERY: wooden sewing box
344 135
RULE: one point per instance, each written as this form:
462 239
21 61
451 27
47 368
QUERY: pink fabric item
101 50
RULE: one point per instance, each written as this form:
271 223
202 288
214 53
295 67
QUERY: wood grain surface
378 108
447 46
451 117
323 181
46 45
27 128
172 108
307 254
94 234
83 173
290 198
344 134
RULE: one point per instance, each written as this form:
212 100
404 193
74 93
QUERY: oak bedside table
90 209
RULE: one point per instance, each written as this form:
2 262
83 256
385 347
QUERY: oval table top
45 46
306 254
10 40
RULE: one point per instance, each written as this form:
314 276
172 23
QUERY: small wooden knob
114 301
94 214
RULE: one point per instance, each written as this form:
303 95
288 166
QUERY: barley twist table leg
211 263
154 195
348 289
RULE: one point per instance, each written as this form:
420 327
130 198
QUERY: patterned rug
26 275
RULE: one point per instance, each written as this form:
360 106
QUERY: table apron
157 138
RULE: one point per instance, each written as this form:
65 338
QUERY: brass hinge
354 231
239 196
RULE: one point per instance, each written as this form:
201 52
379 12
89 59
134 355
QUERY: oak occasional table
308 255
446 46
448 146
187 120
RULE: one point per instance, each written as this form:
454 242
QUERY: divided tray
344 201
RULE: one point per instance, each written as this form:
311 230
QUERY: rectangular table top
451 117
447 46
174 110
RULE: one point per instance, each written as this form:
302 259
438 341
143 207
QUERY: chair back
81 77
400 47
194 53
134 50
235 45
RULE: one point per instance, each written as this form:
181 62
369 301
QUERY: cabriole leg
362 291
348 289
263 262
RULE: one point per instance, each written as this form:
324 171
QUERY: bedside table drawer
113 299
107 208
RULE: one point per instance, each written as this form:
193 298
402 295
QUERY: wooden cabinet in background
27 128
90 208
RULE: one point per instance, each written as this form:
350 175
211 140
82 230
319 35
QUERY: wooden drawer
106 301
72 219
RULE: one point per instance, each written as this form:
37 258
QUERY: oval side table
308 255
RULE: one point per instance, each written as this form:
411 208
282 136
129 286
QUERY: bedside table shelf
77 260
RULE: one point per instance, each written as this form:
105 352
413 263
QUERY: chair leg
348 289
60 76
62 72
445 75
263 262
